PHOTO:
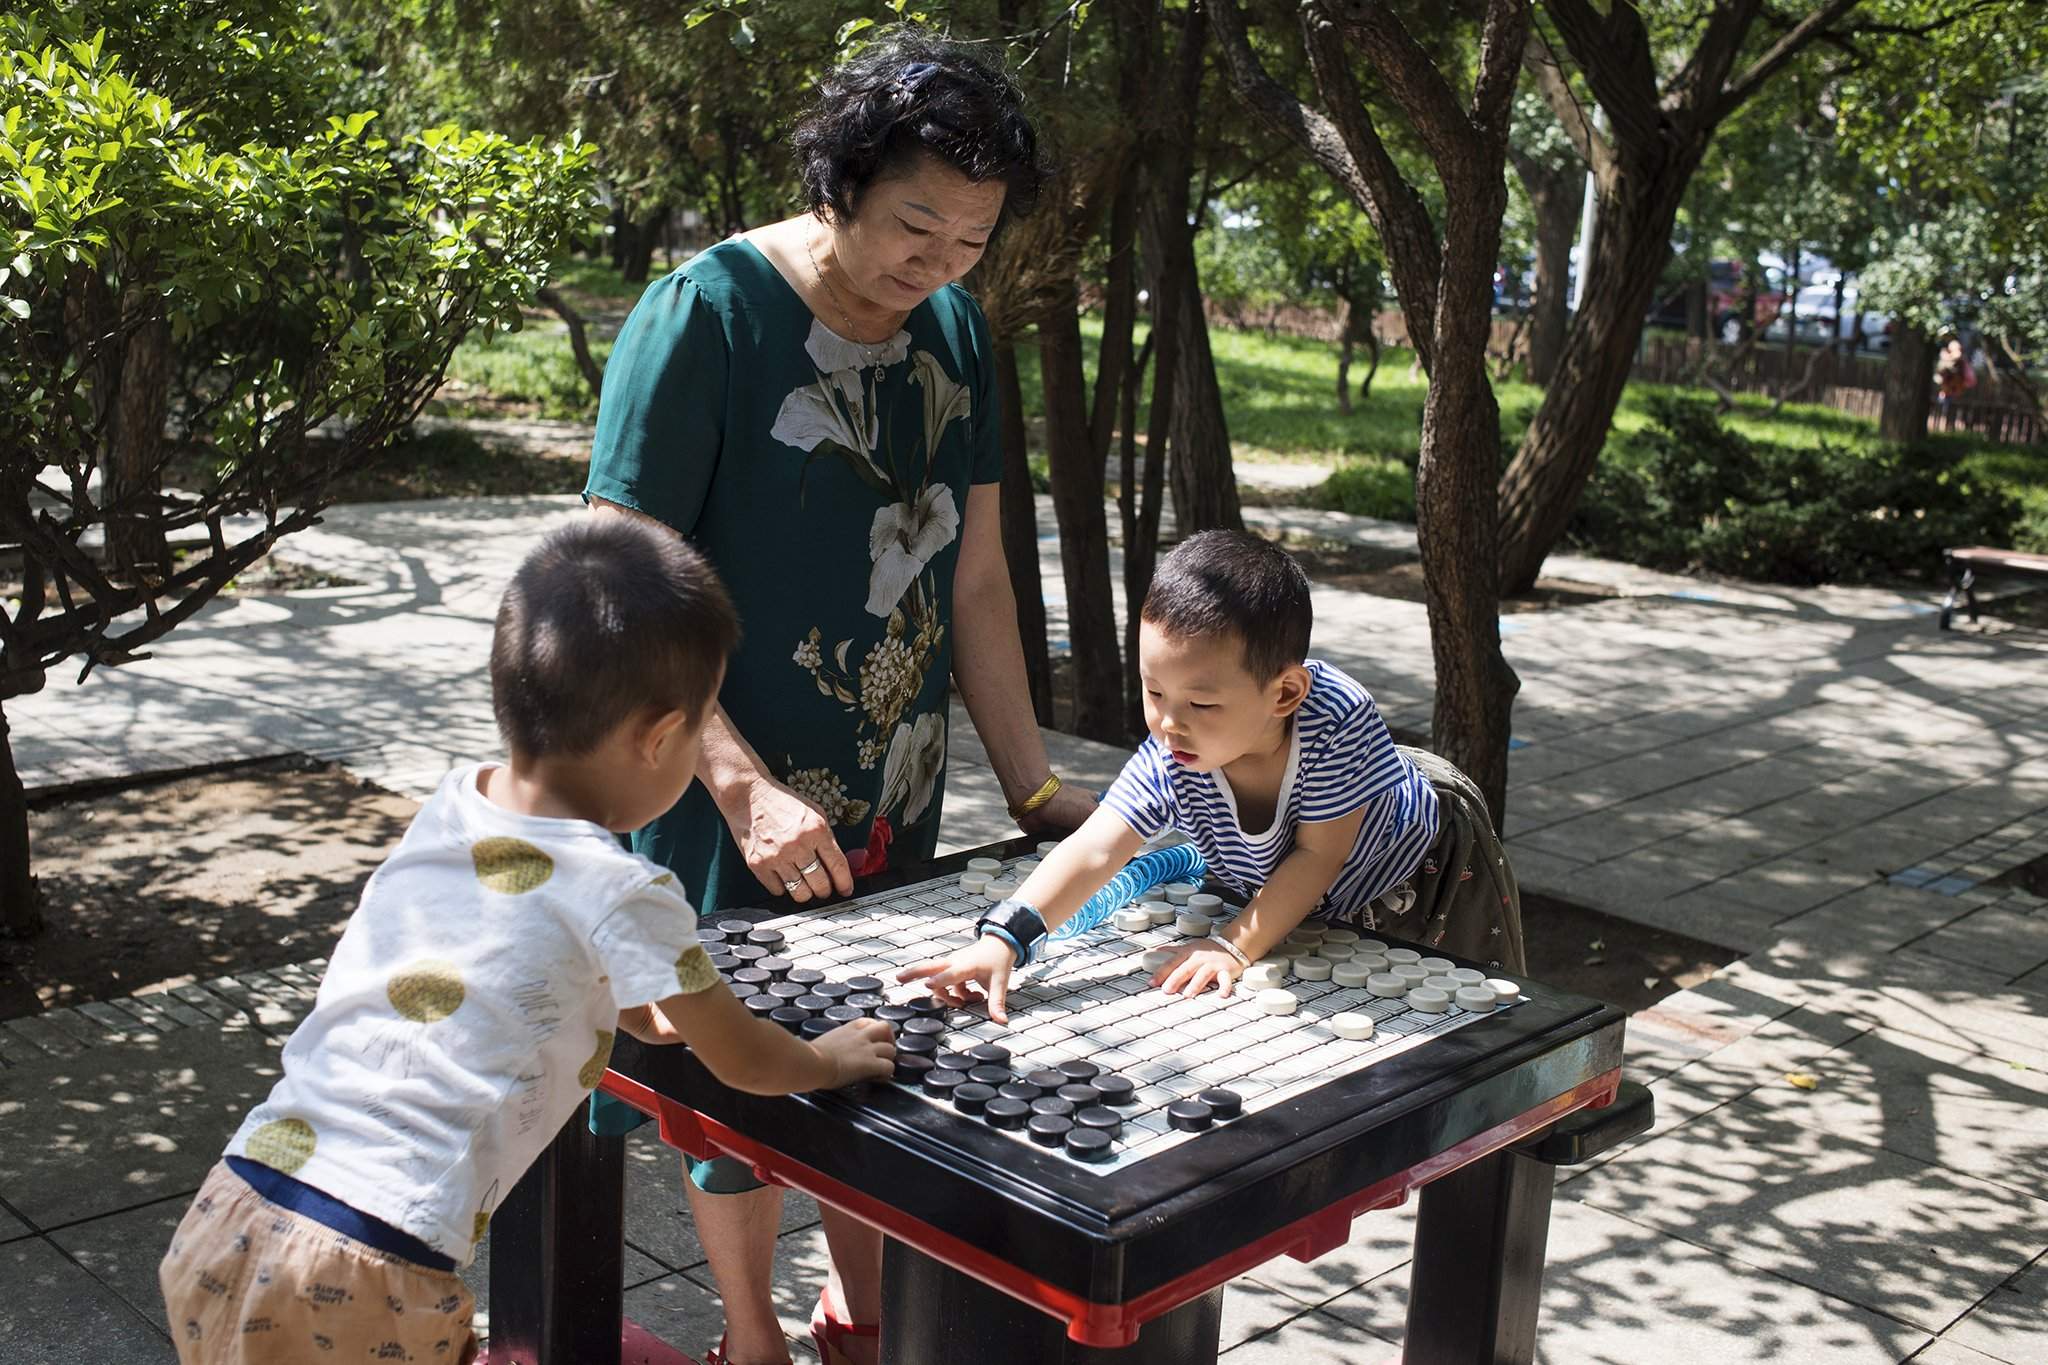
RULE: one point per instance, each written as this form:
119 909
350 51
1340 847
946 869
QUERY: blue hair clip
915 75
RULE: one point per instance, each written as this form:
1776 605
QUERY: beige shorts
249 1283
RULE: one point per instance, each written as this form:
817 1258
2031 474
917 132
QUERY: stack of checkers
1428 985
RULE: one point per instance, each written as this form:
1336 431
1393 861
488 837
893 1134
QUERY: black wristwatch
1017 924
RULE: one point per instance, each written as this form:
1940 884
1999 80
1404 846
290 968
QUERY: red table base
1089 1322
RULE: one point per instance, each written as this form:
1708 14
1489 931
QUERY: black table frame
1130 1259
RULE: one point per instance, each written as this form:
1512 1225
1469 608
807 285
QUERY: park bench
1964 566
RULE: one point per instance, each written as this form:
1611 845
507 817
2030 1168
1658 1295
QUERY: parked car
1816 321
1725 302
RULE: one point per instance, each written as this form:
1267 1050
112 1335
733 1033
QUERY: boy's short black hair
1234 583
607 618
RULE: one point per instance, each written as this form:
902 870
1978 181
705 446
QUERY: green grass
533 368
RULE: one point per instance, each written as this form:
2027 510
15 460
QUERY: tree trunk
1077 491
1457 496
1456 530
1204 487
1020 535
1204 484
579 339
21 914
1908 392
1362 320
1557 220
1344 355
132 467
633 244
1631 243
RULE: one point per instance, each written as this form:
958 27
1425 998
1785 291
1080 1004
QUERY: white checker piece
1086 998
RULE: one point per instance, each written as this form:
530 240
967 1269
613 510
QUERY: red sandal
716 1355
829 1334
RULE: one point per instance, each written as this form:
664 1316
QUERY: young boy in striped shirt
1276 765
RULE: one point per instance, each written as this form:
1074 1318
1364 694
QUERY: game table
1001 1252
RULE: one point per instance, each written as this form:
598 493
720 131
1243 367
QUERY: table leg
1478 1273
558 1254
933 1314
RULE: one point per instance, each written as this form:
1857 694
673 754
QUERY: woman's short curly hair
906 93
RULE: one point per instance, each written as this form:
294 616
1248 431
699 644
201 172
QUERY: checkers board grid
1085 1004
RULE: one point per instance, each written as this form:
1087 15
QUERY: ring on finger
816 864
792 883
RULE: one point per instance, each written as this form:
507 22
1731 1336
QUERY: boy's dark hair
907 93
607 618
1234 583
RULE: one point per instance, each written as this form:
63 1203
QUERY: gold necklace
871 353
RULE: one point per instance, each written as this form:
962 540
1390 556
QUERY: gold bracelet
1037 798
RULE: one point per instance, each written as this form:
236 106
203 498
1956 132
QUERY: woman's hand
1068 810
788 845
987 964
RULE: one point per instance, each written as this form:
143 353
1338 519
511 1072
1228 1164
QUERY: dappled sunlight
1777 1191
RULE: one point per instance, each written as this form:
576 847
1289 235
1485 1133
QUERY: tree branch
1613 53
1408 74
1541 62
1784 50
1347 146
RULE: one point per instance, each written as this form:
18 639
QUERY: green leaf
18 307
743 35
849 28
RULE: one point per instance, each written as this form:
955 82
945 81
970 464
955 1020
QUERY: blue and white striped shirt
1339 758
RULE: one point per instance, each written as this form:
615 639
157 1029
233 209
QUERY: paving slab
1799 1040
2011 1325
50 1310
12 1227
1948 1004
678 1310
2003 942
1983 1116
124 1124
1714 917
1858 1223
1792 883
1620 1293
1878 917
1313 1339
1943 1351
658 1220
122 1251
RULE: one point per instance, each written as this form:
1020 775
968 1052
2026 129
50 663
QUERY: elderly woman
813 403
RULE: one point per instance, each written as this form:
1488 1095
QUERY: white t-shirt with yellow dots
468 1010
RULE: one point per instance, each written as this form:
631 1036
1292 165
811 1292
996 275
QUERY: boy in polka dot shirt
471 1004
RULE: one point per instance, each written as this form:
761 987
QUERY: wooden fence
1852 384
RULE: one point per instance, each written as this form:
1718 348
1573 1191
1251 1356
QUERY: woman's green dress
828 483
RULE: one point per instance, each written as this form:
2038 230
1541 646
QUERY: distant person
472 1002
814 404
1954 375
1282 772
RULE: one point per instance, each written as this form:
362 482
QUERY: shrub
1687 493
1381 487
